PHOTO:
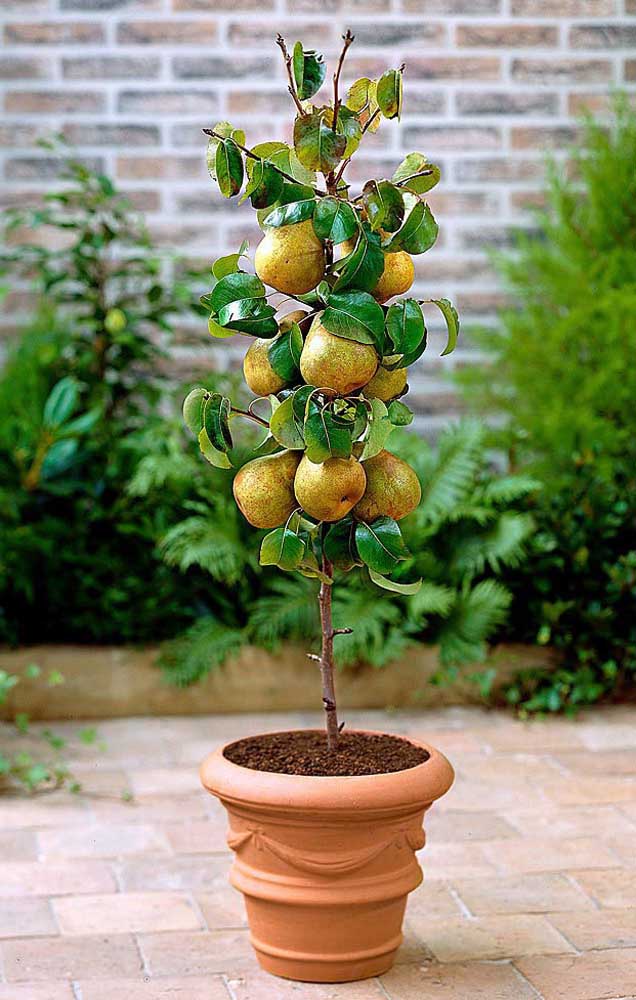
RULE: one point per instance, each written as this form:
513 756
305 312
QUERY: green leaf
228 164
61 401
284 427
295 211
284 353
418 233
361 98
216 458
334 220
304 403
226 130
407 589
349 126
380 545
216 416
283 548
59 458
399 414
326 438
355 316
389 93
233 287
230 263
218 331
309 71
449 313
317 146
379 429
253 316
264 186
363 266
384 204
193 406
416 174
340 545
405 325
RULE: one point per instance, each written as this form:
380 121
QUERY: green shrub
561 381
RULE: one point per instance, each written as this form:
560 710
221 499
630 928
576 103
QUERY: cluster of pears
269 489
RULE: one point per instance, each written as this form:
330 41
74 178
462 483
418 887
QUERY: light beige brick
465 981
167 32
609 888
53 33
494 937
509 36
25 917
48 959
196 954
37 991
26 878
591 930
188 988
521 894
101 841
596 976
123 913
548 854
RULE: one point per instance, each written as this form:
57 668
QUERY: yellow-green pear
259 374
328 490
385 384
264 489
295 316
393 489
335 363
397 277
290 258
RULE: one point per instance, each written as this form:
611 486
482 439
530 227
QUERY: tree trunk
326 658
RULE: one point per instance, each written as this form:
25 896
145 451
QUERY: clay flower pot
326 863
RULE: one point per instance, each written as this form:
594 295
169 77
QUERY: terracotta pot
325 863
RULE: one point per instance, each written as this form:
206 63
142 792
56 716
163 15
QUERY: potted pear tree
324 824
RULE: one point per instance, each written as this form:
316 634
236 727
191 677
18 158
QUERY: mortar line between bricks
225 981
76 990
144 968
466 911
383 988
526 981
571 878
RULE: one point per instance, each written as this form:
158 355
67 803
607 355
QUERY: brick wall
490 86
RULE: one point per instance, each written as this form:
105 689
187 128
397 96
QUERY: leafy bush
77 560
467 528
561 383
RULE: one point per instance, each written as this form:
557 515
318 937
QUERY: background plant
560 382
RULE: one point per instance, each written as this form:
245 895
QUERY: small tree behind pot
331 372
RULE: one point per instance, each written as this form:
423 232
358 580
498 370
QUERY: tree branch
348 39
250 416
260 159
280 41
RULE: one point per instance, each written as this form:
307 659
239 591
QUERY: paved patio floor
530 869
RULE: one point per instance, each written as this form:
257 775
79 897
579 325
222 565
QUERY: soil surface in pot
305 752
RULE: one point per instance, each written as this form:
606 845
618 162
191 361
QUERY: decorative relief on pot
336 863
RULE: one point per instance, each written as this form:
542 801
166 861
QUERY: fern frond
204 647
431 599
290 611
449 481
215 546
476 614
507 489
374 620
158 470
503 544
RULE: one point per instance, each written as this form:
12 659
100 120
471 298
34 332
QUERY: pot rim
390 789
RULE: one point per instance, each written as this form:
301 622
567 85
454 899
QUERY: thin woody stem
250 416
260 159
326 658
345 163
348 39
280 41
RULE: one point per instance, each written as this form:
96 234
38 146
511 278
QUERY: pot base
324 970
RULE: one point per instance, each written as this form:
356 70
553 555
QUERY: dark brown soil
306 752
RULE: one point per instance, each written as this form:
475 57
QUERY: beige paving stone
495 937
593 930
522 894
433 901
462 981
48 959
548 854
198 873
570 791
449 741
164 781
102 841
478 795
56 809
535 736
23 917
609 888
190 988
595 976
601 762
152 809
114 783
598 734
442 827
223 908
198 837
121 913
572 821
18 845
449 861
31 878
37 991
260 986
196 954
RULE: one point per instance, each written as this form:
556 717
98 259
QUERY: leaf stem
250 416
260 159
280 41
345 163
348 39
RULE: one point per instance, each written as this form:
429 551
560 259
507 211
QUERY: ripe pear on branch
385 384
336 363
392 490
328 490
264 489
291 258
